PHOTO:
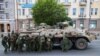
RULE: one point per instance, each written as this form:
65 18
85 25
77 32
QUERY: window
74 11
74 1
1 27
81 24
21 24
7 15
92 11
23 0
67 11
93 24
18 0
81 11
30 11
26 1
66 0
1 0
1 7
6 4
96 11
8 27
30 1
23 11
1 16
82 0
24 26
74 23
19 11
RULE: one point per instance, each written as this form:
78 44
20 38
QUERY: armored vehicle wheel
81 44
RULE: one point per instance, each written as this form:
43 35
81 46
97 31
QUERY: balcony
82 3
67 3
82 16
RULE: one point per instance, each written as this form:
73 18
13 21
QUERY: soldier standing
9 43
66 44
28 47
20 43
36 43
49 43
41 43
5 43
32 43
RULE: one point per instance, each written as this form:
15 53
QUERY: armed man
41 43
9 43
20 42
49 42
5 43
65 43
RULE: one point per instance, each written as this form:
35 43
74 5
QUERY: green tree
49 11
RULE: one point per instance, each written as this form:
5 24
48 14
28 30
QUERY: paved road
92 50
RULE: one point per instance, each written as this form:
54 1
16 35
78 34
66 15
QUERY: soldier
65 43
20 41
13 42
5 43
9 43
32 43
49 42
36 43
41 43
28 43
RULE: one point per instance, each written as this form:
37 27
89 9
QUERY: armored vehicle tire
81 44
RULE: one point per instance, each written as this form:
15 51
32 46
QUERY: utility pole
17 25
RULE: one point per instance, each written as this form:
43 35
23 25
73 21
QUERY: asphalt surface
92 50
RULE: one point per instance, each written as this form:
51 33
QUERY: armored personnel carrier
77 37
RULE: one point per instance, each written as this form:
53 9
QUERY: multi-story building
23 14
7 21
84 13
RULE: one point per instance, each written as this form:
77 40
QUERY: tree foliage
49 11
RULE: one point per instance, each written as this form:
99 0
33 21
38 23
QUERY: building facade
7 21
84 13
23 15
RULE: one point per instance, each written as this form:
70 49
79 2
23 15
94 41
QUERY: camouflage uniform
13 42
49 42
5 43
32 47
36 43
9 43
65 43
41 43
19 42
28 43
